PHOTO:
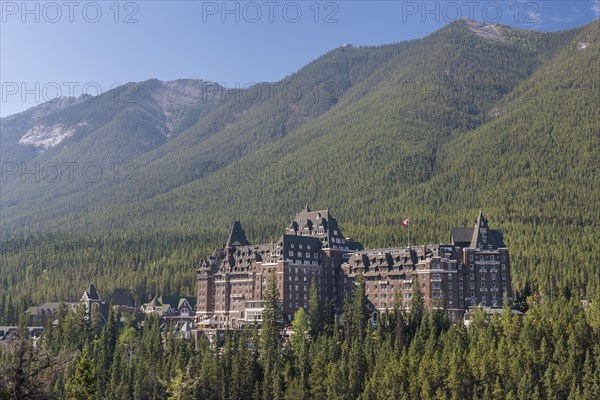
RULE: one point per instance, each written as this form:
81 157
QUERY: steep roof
172 301
153 303
480 236
191 301
320 224
461 236
121 297
483 236
237 236
92 293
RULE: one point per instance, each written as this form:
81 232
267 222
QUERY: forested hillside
552 352
432 129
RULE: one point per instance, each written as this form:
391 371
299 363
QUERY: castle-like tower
473 269
232 281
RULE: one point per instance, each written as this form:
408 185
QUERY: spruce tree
82 385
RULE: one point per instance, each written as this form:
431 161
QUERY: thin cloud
596 8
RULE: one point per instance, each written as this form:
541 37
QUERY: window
493 277
299 254
461 295
503 277
470 256
503 267
460 285
472 285
471 267
482 284
292 245
503 258
482 277
291 253
492 257
471 276
308 255
299 246
315 255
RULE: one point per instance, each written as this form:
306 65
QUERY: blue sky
72 47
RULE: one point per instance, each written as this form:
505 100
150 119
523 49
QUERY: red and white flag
405 222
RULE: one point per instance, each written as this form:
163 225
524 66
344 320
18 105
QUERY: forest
550 352
433 130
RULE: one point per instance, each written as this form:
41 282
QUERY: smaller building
171 308
47 312
122 301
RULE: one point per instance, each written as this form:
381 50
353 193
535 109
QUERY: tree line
550 352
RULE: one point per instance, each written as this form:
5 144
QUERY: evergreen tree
417 305
316 311
270 340
82 385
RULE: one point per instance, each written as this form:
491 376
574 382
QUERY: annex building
472 269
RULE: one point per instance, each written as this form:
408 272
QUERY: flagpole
408 235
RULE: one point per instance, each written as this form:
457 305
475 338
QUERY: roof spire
480 232
237 236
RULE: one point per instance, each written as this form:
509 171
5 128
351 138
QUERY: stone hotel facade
472 269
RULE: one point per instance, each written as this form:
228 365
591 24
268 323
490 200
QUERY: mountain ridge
435 129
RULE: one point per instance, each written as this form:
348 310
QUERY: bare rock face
174 96
160 102
485 30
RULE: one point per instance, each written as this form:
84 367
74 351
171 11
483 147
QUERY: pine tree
417 305
270 339
316 311
359 314
82 385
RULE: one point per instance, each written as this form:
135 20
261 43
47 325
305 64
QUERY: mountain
474 116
